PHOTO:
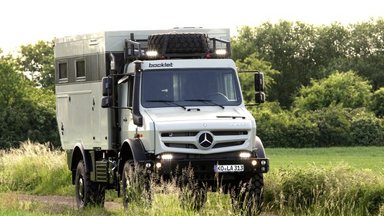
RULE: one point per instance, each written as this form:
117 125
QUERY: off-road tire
87 192
247 196
178 43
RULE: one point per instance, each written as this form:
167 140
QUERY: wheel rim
127 185
81 189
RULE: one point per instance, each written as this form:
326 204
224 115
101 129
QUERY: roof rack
176 46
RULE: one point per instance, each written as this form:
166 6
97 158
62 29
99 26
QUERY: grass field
318 181
356 157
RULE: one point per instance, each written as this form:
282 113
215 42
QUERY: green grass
34 168
321 181
356 157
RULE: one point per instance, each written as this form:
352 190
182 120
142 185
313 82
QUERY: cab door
125 102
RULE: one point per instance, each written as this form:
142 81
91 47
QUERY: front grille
229 133
180 145
223 145
194 139
216 133
179 134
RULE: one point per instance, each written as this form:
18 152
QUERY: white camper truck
160 101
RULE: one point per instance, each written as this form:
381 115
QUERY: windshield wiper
167 101
206 101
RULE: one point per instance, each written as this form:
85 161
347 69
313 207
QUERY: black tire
136 185
247 196
173 43
87 192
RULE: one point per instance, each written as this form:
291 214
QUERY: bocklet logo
152 65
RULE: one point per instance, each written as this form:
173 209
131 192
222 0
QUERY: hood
178 129
192 114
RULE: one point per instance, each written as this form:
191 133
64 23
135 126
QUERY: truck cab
161 102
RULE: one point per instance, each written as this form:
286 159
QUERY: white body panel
209 118
80 114
174 120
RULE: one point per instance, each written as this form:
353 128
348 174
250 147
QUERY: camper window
80 70
63 74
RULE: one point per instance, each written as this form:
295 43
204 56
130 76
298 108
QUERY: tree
288 47
347 89
330 49
26 112
12 87
301 52
12 84
37 62
247 80
243 45
366 51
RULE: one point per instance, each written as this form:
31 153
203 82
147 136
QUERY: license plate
229 168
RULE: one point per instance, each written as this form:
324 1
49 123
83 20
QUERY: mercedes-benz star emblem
206 139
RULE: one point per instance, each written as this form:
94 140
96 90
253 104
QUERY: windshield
190 87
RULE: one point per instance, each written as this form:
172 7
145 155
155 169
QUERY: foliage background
324 85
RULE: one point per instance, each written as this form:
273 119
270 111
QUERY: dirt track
61 200
57 203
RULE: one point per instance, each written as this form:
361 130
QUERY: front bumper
205 167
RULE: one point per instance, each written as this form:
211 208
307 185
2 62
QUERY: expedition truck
161 101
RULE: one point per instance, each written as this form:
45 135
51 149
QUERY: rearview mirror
259 82
107 86
259 87
259 97
106 101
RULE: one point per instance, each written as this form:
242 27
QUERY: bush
271 124
366 129
301 132
331 126
346 89
377 105
334 123
280 128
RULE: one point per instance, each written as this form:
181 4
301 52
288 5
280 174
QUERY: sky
25 22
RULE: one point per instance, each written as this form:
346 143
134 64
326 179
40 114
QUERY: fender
132 149
260 151
74 156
